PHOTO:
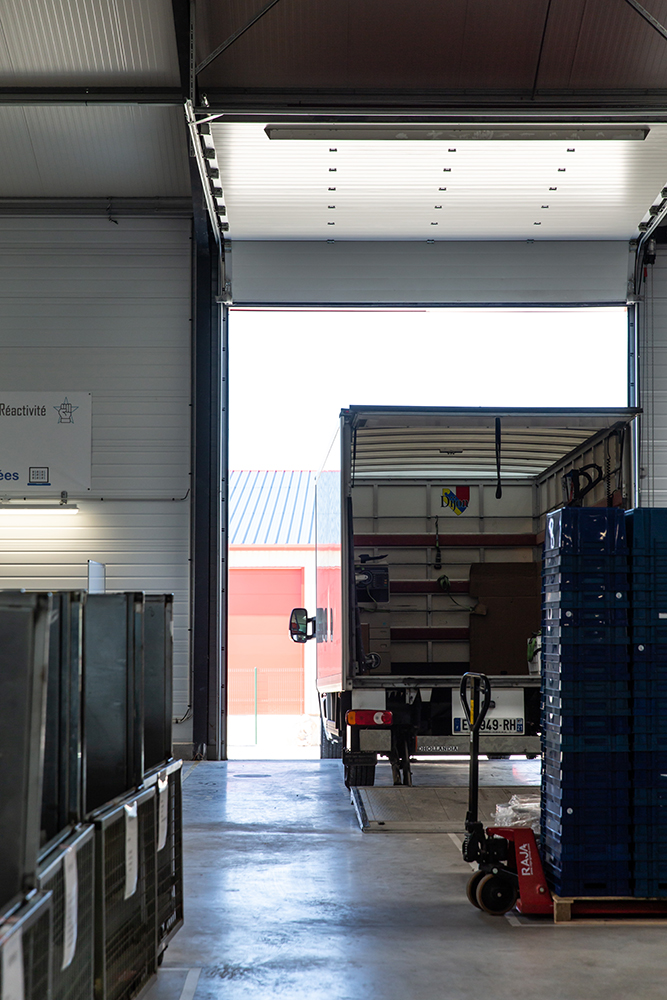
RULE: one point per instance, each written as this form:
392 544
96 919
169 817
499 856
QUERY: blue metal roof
272 508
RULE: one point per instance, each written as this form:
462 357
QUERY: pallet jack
510 870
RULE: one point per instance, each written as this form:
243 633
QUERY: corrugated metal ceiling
454 190
110 42
272 508
408 443
78 152
449 46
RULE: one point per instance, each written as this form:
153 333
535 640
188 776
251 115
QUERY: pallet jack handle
475 707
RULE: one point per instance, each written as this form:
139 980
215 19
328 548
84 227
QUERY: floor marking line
458 841
511 919
190 984
189 772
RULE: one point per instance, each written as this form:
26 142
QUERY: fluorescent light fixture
434 133
43 508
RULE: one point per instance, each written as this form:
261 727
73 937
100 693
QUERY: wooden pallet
569 907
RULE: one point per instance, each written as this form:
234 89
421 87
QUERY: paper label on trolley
163 809
131 849
71 924
12 967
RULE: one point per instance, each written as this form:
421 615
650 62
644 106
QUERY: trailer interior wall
92 306
653 384
428 273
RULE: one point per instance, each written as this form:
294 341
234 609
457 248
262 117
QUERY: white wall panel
418 272
89 305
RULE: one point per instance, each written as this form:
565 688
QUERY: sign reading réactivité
45 443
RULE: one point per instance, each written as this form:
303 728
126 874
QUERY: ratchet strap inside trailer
499 487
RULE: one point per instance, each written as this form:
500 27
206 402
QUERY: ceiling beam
159 96
310 106
660 28
183 29
237 34
110 208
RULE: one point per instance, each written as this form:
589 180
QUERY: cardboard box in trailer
430 524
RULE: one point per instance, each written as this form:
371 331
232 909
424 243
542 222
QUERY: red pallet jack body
510 871
534 894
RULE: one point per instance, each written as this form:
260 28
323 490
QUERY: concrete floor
286 898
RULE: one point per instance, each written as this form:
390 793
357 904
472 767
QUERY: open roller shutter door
470 273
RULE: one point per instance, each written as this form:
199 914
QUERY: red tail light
368 717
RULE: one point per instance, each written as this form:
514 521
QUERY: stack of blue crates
647 534
586 704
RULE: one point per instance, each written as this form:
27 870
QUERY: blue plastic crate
655 615
586 529
651 796
647 779
584 798
650 870
586 887
610 821
650 853
656 759
576 601
641 633
584 705
648 562
649 889
649 828
656 742
650 724
559 562
584 617
557 655
586 582
556 723
653 670
645 601
646 526
557 853
555 740
586 635
571 780
650 688
553 682
643 580
585 763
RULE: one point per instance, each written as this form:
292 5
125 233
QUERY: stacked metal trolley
586 716
91 882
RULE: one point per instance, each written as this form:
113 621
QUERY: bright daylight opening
291 372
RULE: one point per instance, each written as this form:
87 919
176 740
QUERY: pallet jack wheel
495 895
471 888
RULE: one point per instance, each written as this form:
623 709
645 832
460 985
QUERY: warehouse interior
164 160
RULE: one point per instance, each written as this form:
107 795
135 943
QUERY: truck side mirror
298 625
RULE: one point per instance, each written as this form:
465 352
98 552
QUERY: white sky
292 371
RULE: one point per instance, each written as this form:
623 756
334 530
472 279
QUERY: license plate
504 718
494 726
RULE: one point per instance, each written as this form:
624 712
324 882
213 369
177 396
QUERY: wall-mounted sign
456 498
45 443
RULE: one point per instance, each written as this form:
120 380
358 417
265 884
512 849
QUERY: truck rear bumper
487 744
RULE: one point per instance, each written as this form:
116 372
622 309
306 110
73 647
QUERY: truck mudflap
359 768
529 745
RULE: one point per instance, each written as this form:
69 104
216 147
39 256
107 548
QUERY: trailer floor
286 898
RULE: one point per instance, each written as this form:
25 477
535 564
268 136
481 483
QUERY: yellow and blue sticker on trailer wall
457 499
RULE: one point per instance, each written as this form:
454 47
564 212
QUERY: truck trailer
430 527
